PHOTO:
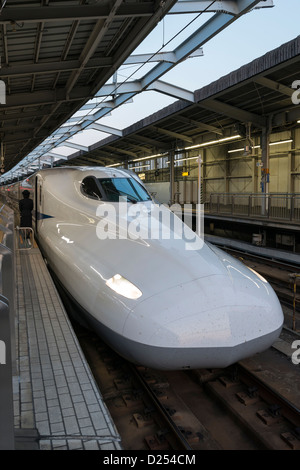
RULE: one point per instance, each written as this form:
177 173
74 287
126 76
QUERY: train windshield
116 188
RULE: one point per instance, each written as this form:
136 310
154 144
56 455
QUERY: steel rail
287 409
163 412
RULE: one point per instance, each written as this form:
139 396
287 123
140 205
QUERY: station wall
224 171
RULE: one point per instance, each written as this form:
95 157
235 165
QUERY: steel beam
172 90
156 144
208 30
38 98
112 89
106 129
137 85
76 146
176 135
272 85
233 112
50 13
56 66
159 57
123 151
200 125
203 6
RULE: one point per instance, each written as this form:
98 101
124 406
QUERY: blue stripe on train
41 216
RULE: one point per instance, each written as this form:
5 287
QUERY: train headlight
123 287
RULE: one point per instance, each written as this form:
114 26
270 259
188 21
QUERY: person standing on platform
25 207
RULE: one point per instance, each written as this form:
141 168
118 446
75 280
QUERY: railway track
251 405
236 408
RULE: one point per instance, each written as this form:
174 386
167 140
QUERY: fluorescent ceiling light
115 164
236 150
212 142
147 158
184 159
242 149
281 142
138 167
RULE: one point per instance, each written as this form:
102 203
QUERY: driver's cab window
90 188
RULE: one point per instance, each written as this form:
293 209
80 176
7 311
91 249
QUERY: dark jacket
26 206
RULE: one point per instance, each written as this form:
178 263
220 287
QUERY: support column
172 176
227 171
255 161
265 172
204 186
291 165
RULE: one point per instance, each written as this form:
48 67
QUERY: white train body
188 308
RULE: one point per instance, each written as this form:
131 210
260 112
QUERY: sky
249 37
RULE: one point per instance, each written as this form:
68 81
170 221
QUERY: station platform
293 226
57 404
272 253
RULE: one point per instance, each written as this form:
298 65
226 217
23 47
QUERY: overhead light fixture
114 164
281 142
149 156
236 150
212 142
242 149
139 167
258 146
184 159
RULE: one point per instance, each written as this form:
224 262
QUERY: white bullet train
151 299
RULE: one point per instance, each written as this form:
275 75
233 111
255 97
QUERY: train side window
90 188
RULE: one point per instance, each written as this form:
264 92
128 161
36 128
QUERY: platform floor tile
54 390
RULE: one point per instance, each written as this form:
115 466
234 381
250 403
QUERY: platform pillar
172 177
265 174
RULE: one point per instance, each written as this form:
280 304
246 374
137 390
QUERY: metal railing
24 238
7 327
276 206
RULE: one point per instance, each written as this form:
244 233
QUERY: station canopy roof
264 94
57 56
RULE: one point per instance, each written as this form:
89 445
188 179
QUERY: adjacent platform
57 404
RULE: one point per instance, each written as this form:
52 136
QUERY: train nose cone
210 322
